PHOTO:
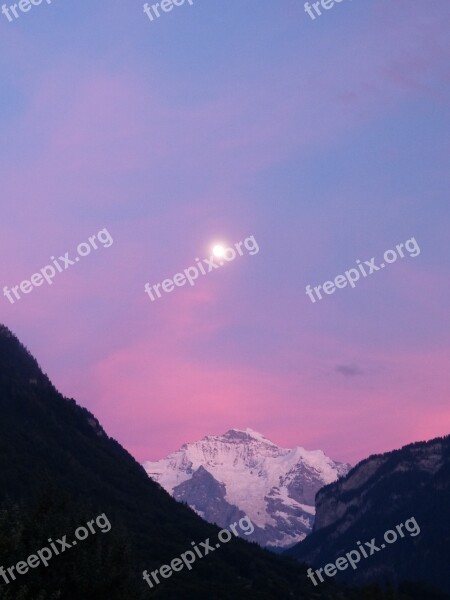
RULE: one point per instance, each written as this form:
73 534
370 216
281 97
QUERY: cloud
349 370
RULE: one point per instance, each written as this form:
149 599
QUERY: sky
326 140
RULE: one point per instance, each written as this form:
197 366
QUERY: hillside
378 494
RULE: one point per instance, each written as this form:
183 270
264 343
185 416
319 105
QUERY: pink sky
326 140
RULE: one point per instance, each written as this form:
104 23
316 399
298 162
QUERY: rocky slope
378 494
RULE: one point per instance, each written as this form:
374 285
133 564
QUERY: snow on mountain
243 473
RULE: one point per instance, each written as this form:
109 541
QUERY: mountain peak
244 434
275 487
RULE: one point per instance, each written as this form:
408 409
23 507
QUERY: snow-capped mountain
242 473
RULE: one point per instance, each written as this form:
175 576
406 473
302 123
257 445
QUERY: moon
218 250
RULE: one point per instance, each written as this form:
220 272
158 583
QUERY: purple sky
327 140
